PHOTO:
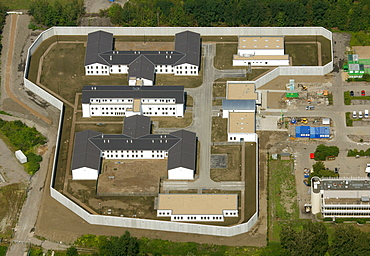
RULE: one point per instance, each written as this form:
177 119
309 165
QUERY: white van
366 113
360 114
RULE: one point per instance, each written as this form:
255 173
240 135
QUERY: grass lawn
12 198
219 90
173 122
25 4
224 56
189 100
299 54
107 129
3 250
219 129
250 180
232 172
282 195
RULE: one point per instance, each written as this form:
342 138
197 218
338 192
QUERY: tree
125 245
349 240
72 251
322 152
312 240
319 170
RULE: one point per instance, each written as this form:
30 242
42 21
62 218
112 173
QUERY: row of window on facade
155 100
156 113
132 151
97 72
96 67
110 100
195 218
186 72
128 156
158 108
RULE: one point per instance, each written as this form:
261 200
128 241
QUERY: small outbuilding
20 156
285 156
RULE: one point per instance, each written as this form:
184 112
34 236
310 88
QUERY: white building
261 51
132 100
240 107
197 207
20 156
341 197
184 60
135 142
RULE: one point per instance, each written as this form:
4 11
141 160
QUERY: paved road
202 122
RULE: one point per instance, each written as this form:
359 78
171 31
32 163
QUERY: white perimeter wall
160 31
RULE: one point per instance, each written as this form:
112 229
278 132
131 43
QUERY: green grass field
3 250
25 4
282 194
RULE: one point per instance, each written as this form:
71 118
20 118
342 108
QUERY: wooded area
341 14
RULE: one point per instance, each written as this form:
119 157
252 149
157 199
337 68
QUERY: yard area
232 171
282 198
219 129
12 198
224 56
305 54
173 122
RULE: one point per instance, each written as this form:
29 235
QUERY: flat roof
261 42
340 185
241 122
188 204
262 57
241 91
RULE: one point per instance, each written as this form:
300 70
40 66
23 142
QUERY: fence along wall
155 224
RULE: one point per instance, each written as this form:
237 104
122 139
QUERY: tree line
313 240
3 10
341 14
56 13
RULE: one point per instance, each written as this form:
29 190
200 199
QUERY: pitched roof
183 154
136 126
85 153
97 42
238 104
141 68
135 92
188 42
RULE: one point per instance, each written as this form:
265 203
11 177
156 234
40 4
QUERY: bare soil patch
144 46
280 82
362 51
127 176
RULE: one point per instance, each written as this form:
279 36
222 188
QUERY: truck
367 170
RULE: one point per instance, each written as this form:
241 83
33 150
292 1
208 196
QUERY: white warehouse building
341 197
102 59
136 142
132 100
261 51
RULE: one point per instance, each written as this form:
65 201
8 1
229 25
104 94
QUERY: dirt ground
126 176
150 46
275 100
280 82
362 51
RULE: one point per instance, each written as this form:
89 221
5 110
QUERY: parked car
336 170
363 93
310 108
360 114
366 113
354 115
351 93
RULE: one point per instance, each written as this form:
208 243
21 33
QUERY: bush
347 98
355 152
322 152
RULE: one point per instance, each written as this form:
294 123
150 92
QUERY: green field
25 4
282 198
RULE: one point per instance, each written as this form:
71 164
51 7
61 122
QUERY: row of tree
56 13
3 10
313 240
341 14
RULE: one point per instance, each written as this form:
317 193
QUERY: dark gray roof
85 153
97 42
124 142
238 104
181 145
141 68
136 126
127 57
183 154
135 92
188 42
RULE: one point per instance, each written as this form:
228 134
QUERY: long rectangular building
132 100
197 207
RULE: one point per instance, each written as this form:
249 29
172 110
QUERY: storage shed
20 156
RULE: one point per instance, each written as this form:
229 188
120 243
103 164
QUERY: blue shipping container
302 131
